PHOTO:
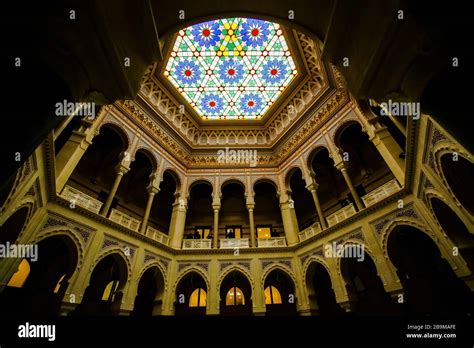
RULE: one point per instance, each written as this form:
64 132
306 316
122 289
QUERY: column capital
155 179
340 166
122 170
180 203
216 207
312 186
250 206
152 190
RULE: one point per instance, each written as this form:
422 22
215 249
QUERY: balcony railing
231 243
271 242
125 220
341 214
197 244
381 193
81 199
310 231
157 235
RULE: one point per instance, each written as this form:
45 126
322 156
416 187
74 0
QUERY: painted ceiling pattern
232 68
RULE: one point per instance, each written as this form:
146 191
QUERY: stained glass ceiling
233 68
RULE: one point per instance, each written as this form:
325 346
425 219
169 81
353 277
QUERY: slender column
250 208
71 153
178 220
290 222
122 170
341 166
313 187
152 191
215 236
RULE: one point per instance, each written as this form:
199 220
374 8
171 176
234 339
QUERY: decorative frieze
408 211
109 242
54 220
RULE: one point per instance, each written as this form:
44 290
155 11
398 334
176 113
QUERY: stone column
290 222
389 150
121 171
342 167
71 153
250 208
178 221
313 187
215 236
152 191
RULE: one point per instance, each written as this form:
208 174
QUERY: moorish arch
164 201
199 181
457 170
303 202
150 292
320 289
148 152
364 164
105 290
455 229
365 289
266 210
236 293
41 281
233 180
191 293
280 292
427 278
119 130
11 229
200 213
233 214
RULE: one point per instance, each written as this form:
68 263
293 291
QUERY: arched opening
430 285
104 294
455 229
18 279
235 294
280 297
267 215
162 207
11 229
233 216
333 193
94 175
322 299
191 295
200 214
149 299
365 166
458 171
364 287
198 298
39 285
303 201
132 194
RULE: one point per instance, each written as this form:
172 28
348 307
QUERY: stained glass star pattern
233 68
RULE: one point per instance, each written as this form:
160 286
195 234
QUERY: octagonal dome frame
283 97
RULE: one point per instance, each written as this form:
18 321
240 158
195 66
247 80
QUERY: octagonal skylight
232 68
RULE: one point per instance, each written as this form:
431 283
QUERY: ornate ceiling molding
312 105
198 160
153 94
